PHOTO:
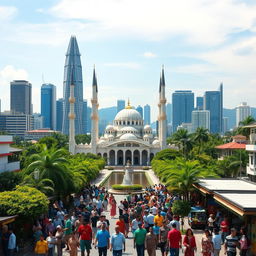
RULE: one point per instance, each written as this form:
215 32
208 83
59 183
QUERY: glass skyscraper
182 107
120 105
73 66
147 115
199 103
21 97
213 101
59 114
48 106
140 110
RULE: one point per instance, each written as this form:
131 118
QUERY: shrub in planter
145 168
127 187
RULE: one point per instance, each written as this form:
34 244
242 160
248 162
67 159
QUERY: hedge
127 187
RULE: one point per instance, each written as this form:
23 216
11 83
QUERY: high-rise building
147 114
120 105
21 97
73 68
242 112
225 124
200 119
16 124
214 103
182 107
59 114
38 121
169 113
85 116
48 105
140 110
199 103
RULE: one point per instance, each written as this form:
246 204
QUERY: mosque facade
127 139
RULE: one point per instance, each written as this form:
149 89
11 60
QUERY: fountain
127 186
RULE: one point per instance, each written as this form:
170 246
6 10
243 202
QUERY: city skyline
195 58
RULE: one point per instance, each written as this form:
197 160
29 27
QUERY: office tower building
185 126
214 103
120 105
200 119
182 107
48 105
147 114
16 124
59 114
73 72
200 103
225 124
89 121
242 112
38 121
140 110
169 113
85 116
21 97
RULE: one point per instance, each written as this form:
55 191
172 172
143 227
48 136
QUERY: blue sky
200 42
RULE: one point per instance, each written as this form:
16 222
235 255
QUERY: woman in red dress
207 245
190 243
113 208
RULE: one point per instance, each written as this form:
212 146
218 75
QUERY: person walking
216 241
67 229
174 237
11 243
113 208
126 222
85 232
139 240
231 243
206 243
211 222
244 242
121 224
59 237
5 239
73 244
163 235
158 220
224 225
51 241
151 242
189 242
41 248
102 240
117 242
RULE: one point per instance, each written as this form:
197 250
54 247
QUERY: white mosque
127 138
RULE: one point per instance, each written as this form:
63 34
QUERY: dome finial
128 104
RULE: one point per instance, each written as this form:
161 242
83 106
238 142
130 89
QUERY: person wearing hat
59 236
139 240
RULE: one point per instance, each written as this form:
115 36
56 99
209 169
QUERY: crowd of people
146 218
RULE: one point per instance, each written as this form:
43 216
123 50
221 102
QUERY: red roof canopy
232 145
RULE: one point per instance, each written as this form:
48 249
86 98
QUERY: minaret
72 116
162 112
94 115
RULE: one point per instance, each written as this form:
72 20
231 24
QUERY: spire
73 47
94 80
128 105
162 76
160 83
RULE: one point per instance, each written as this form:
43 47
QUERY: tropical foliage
9 180
133 187
24 201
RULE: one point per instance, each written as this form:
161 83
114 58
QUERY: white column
132 157
140 157
115 157
124 163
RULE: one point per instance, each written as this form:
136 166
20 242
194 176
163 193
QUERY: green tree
167 154
62 140
9 180
24 201
83 138
182 209
228 167
49 141
245 131
52 164
200 136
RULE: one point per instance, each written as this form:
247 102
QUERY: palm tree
186 174
183 139
52 165
201 136
44 185
247 121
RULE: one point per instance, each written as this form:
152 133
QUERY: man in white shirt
150 219
153 209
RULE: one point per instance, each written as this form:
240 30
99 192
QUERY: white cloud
130 65
149 55
8 74
200 21
7 12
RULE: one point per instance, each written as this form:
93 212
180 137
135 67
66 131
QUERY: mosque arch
120 157
144 157
105 156
128 156
112 157
136 157
151 156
